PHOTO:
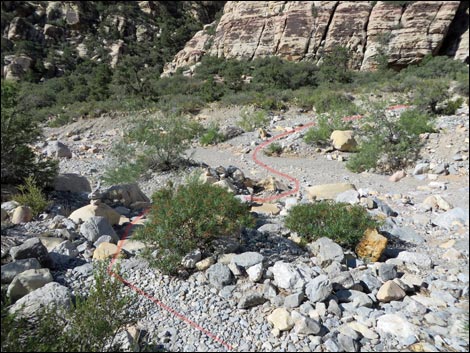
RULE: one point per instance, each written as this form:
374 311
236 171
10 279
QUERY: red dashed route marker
296 188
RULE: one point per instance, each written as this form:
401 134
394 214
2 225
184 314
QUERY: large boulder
95 227
52 295
31 248
10 270
319 289
100 210
28 281
219 275
72 182
328 191
127 194
343 140
22 214
57 149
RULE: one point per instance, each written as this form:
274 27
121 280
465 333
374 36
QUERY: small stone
247 259
306 326
397 176
418 259
255 273
266 208
390 291
106 251
293 300
318 289
205 263
281 319
328 191
387 272
250 300
219 275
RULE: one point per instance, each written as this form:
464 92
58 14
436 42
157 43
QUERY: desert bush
430 93
31 195
151 144
327 123
211 136
329 101
90 325
274 149
188 217
18 132
387 143
334 67
343 223
249 121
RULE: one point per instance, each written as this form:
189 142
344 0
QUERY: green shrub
327 123
430 93
274 149
451 106
31 195
343 223
18 131
329 101
211 136
152 143
387 143
335 66
189 217
89 326
252 120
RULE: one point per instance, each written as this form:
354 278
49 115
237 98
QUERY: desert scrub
327 123
388 143
211 136
343 223
249 121
153 143
274 149
90 325
31 195
190 217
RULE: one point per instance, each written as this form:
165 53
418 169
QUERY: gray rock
447 219
386 209
66 248
372 283
355 297
387 271
395 325
344 280
334 309
407 234
103 239
95 227
318 289
190 260
293 300
306 326
31 248
219 275
348 196
52 295
270 228
326 251
418 259
348 344
421 168
250 300
10 270
285 275
84 270
129 195
255 273
247 259
57 149
10 206
72 182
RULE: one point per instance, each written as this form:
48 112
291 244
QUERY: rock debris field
267 293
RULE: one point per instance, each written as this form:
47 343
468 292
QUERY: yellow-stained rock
271 184
266 208
328 191
343 140
106 251
86 212
372 245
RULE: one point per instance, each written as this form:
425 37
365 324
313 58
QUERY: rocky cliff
48 38
401 31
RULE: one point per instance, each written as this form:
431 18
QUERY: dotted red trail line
295 189
152 298
293 180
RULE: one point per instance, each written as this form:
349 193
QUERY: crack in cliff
314 26
327 28
281 36
366 29
260 35
438 47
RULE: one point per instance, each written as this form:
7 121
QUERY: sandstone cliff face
304 30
